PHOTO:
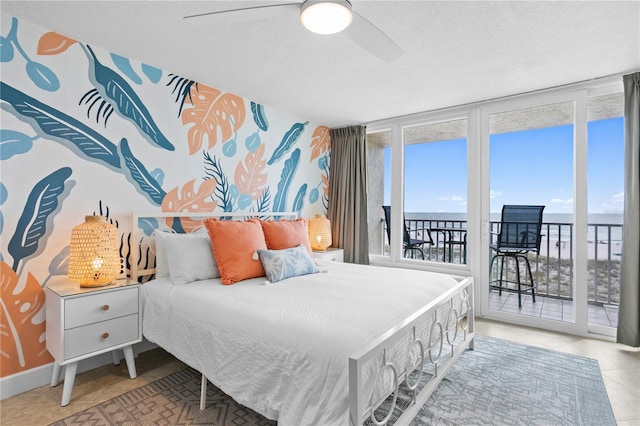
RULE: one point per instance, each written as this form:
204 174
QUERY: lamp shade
319 233
94 260
326 16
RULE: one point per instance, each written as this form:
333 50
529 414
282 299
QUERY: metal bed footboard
457 306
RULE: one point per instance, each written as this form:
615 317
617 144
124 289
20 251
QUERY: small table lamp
319 233
94 259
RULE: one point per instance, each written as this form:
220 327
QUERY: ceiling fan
319 16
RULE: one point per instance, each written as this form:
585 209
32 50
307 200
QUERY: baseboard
40 376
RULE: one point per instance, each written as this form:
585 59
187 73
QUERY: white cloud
495 194
618 198
556 201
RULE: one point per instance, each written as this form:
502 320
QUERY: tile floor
620 366
552 308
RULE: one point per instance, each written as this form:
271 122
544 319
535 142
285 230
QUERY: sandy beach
595 249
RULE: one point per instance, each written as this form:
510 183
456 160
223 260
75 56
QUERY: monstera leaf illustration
249 176
320 142
22 330
190 200
213 113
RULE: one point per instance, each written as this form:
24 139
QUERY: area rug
498 383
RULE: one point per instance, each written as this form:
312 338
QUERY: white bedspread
282 349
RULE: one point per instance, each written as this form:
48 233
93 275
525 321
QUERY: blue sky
526 167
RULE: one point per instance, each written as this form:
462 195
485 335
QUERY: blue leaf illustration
258 116
4 194
124 65
298 202
41 203
158 175
147 185
148 225
288 172
13 143
153 74
42 76
127 102
244 201
6 50
60 126
287 141
214 171
253 142
229 148
314 195
262 203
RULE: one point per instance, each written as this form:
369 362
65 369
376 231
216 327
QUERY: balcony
552 269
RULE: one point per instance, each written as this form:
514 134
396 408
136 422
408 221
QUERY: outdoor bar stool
410 245
519 234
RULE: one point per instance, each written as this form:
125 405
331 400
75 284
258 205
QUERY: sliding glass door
565 152
531 151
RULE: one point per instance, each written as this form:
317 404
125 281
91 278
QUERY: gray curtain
629 314
347 208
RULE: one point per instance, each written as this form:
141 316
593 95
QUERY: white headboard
139 240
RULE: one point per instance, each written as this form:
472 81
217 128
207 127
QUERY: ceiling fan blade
372 39
247 13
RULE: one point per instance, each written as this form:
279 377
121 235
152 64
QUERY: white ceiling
456 52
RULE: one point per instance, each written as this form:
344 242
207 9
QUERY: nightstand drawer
94 337
92 308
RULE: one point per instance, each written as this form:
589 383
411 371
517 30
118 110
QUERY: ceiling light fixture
326 17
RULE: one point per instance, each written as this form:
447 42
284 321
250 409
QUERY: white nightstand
331 253
85 322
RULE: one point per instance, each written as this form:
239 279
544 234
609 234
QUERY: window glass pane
531 163
435 191
605 174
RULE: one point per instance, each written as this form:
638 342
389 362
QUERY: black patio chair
519 234
410 245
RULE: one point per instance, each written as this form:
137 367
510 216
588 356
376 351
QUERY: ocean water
553 231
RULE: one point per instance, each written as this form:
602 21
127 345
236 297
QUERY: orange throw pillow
284 234
234 245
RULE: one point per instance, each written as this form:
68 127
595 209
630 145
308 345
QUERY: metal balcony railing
552 268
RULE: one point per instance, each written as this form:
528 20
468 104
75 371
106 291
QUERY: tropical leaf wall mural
82 128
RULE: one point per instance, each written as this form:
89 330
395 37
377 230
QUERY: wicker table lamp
319 233
94 260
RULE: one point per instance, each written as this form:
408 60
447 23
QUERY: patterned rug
498 383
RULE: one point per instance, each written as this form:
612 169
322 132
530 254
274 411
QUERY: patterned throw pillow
286 263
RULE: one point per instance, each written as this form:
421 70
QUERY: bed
332 347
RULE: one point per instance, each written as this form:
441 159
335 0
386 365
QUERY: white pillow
189 257
162 263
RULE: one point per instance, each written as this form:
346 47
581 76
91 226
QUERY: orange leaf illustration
214 114
190 201
325 185
249 176
53 43
320 141
22 341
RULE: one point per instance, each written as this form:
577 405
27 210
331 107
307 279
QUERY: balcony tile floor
551 308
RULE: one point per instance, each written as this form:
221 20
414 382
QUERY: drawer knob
105 335
105 308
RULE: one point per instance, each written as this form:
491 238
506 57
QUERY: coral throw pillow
284 234
234 246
